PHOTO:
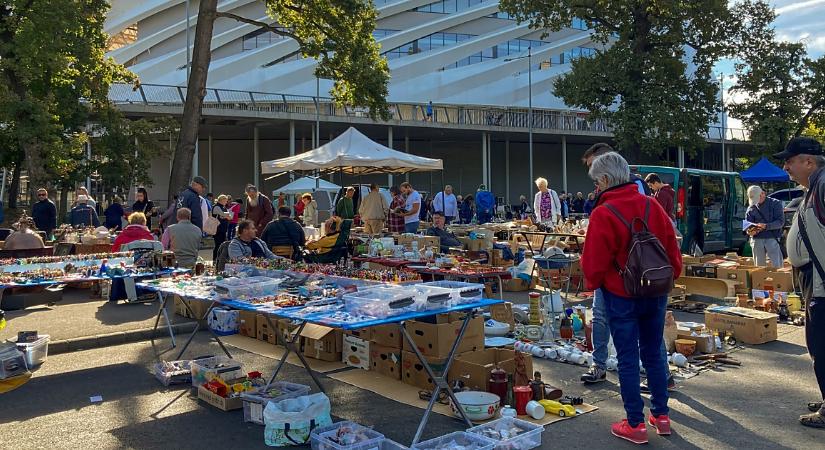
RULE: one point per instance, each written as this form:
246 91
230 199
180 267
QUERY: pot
477 405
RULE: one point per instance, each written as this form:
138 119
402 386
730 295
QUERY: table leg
163 300
197 326
289 345
440 382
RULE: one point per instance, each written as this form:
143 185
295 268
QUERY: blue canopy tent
764 171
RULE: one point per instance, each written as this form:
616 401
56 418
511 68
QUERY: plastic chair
283 250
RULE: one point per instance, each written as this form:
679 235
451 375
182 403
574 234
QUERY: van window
714 200
666 177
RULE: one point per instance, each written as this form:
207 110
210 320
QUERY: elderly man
190 198
246 244
345 208
373 211
23 237
636 322
285 232
183 238
82 215
44 212
439 229
258 208
768 218
89 200
446 202
804 162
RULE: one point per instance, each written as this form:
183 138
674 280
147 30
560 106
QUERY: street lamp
529 110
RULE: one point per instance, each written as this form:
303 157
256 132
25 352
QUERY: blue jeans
601 331
637 325
411 227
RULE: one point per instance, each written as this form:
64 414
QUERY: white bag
291 421
210 227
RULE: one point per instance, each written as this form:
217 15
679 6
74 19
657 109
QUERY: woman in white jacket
546 204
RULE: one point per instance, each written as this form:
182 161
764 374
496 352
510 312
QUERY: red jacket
132 233
608 238
666 196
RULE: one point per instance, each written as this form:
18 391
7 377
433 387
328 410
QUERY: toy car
554 407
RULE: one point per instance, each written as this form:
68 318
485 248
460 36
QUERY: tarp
308 184
353 153
764 171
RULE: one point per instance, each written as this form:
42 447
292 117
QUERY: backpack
648 272
222 256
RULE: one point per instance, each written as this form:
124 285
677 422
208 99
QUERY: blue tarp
764 171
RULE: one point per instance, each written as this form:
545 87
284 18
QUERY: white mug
535 409
550 353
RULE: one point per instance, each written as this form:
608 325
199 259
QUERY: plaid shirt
395 222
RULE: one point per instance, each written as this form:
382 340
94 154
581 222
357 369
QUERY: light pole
529 111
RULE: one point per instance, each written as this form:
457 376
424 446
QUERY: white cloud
796 6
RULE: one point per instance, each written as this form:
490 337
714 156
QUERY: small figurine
537 386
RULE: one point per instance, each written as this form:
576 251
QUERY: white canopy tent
308 184
353 153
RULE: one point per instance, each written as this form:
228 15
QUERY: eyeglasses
41 195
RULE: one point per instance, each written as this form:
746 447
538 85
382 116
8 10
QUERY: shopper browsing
183 238
768 218
446 202
546 203
412 207
373 210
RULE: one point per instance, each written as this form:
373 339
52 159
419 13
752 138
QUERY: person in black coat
114 215
44 213
144 205
190 198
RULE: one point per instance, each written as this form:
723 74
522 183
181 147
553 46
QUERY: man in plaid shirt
395 222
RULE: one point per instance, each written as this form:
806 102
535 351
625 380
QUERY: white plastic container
462 292
389 444
247 288
382 301
35 352
204 369
459 439
322 438
255 401
529 435
12 362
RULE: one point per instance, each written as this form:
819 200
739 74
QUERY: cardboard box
704 344
286 329
263 331
323 343
385 360
248 323
747 325
436 339
356 352
741 275
363 333
179 308
474 368
780 279
423 241
387 335
413 373
200 308
222 403
516 285
503 312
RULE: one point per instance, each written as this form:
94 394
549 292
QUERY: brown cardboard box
264 333
515 285
224 404
322 342
363 333
429 241
741 275
356 352
704 344
286 328
780 279
436 339
248 323
385 360
413 373
687 259
473 368
748 325
503 312
387 335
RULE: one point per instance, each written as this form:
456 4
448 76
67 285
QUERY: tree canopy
652 79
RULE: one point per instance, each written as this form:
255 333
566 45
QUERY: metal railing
478 116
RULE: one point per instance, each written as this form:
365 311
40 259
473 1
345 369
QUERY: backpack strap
617 214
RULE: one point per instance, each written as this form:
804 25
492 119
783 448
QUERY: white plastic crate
12 361
382 301
35 352
458 440
204 369
324 438
255 401
511 433
389 444
247 287
461 292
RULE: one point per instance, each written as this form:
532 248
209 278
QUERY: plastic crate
461 292
529 435
459 439
389 444
174 372
255 401
247 287
12 361
323 438
35 352
204 369
383 301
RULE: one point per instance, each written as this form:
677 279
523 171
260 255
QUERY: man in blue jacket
44 212
768 218
83 215
190 198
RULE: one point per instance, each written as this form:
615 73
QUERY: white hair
612 166
754 195
540 181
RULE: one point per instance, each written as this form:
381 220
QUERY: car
790 210
787 196
554 407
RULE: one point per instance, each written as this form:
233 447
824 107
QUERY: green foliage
53 74
652 80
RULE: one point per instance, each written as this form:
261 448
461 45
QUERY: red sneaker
661 424
637 435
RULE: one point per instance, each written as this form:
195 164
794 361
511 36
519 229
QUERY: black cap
800 146
201 181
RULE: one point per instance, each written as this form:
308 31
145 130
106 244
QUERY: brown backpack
648 272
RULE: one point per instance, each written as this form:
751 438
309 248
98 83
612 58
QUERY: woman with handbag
222 214
144 205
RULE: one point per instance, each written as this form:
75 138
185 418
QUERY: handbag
210 226
291 422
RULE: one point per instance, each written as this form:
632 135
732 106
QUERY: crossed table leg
289 345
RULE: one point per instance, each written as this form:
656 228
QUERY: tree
783 90
337 32
53 74
653 79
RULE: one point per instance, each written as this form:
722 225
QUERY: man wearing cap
768 219
804 162
82 215
258 209
190 198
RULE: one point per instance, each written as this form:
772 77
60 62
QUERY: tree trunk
35 167
62 205
14 188
196 90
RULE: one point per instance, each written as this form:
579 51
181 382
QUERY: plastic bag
290 422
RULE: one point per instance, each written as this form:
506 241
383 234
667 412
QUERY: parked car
788 195
710 206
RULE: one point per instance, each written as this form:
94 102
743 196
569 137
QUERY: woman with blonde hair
135 231
546 204
310 215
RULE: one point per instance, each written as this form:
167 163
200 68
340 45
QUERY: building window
260 38
434 41
575 53
448 6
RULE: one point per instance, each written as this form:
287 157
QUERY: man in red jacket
663 193
636 324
